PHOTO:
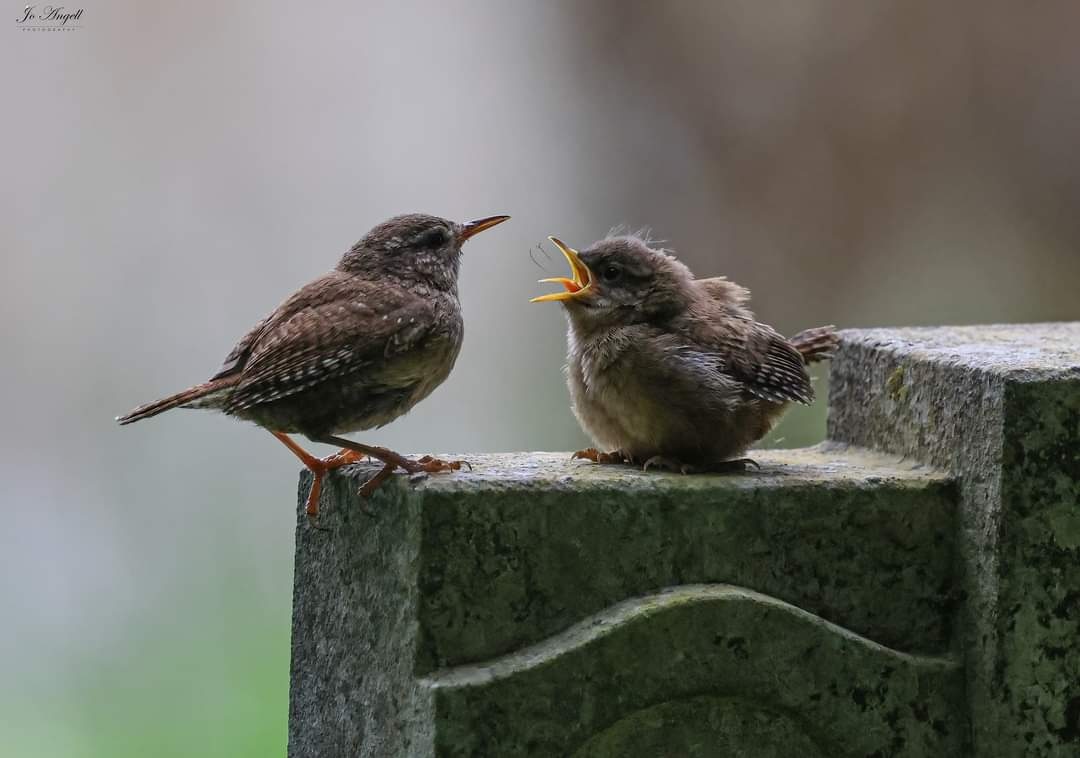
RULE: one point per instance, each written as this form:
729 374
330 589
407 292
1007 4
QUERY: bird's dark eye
435 237
611 273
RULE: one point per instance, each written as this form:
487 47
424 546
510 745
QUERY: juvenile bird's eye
611 273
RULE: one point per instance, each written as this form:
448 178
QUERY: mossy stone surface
705 727
999 407
585 691
550 541
818 588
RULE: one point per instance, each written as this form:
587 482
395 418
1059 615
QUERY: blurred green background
171 172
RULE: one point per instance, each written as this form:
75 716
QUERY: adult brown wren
670 371
351 350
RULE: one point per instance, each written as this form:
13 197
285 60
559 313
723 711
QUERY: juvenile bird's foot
737 466
594 455
668 464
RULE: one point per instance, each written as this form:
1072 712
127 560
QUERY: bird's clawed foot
392 461
424 465
594 455
737 466
663 463
430 465
372 484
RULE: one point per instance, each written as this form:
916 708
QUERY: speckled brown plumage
352 350
672 371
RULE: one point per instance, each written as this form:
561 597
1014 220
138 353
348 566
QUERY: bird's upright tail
206 395
816 344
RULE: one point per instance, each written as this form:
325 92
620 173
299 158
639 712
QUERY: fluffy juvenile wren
352 350
670 371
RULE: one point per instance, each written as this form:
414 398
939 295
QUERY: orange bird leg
376 481
318 467
393 460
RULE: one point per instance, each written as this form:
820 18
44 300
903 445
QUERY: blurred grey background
171 173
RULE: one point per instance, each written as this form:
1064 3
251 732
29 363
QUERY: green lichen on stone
1037 669
895 386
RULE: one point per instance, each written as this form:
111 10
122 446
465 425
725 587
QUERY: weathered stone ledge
831 463
1021 352
522 529
449 570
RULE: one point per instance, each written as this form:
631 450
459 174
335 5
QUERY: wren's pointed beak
575 287
473 228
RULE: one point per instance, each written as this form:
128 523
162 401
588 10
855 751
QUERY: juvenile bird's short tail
816 344
210 394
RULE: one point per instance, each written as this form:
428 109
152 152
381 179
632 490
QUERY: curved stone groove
855 695
596 626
